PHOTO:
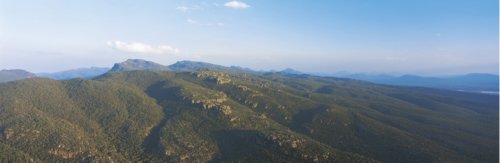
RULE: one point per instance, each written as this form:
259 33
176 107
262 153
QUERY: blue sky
428 37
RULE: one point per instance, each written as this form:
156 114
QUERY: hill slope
87 73
228 116
195 66
137 64
12 75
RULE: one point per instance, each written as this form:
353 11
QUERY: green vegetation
231 116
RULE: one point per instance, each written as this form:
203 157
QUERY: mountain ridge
75 73
226 116
473 82
137 64
14 74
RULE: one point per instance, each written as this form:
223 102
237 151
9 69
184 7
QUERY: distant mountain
12 75
480 83
137 64
230 116
470 82
291 71
195 66
76 73
242 69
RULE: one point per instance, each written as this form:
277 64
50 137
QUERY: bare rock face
7 133
219 78
225 109
209 102
208 99
64 152
298 145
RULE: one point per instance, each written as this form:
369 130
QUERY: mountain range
474 82
87 73
191 112
16 74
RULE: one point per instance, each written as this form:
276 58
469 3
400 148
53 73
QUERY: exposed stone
225 109
184 157
243 88
217 77
213 100
223 80
294 144
233 119
9 133
63 152
169 152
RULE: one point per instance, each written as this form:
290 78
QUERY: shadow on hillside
304 117
163 95
244 146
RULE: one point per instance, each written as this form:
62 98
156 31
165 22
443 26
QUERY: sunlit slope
229 116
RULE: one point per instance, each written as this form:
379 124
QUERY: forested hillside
230 116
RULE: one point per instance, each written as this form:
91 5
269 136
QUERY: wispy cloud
187 9
194 22
237 5
191 21
216 24
138 47
182 8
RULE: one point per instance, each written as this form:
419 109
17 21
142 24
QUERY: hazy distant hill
76 73
137 64
194 66
232 116
482 83
469 82
291 71
12 75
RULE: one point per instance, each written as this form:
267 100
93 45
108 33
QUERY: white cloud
187 9
137 47
183 8
236 4
220 24
191 21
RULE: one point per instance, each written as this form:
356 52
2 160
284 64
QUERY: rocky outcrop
212 76
299 146
210 100
7 133
64 152
188 146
